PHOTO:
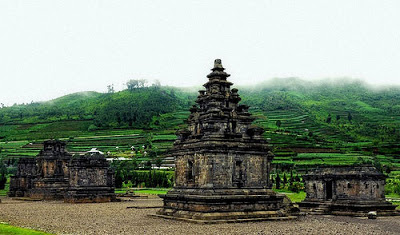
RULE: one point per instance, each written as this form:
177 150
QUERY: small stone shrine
55 174
90 179
51 181
346 190
222 162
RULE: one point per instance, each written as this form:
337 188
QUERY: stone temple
346 190
55 174
222 162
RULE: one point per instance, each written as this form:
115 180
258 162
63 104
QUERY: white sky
52 48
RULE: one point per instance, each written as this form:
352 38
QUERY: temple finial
218 70
218 64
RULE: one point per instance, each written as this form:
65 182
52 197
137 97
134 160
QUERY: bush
392 186
92 127
296 187
126 171
118 181
127 185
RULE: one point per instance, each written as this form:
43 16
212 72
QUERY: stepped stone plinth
222 162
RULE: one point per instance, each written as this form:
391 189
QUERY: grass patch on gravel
398 205
3 192
294 197
12 230
152 191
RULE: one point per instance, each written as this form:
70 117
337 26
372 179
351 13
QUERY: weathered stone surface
51 181
55 175
21 183
222 161
90 179
351 190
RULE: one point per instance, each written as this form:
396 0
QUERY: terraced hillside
334 124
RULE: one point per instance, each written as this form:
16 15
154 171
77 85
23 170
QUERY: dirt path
115 218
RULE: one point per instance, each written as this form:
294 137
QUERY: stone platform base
223 221
48 189
98 199
90 195
47 193
349 208
226 205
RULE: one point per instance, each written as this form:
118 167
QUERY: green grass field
6 229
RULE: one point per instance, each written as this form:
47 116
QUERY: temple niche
57 175
222 162
346 190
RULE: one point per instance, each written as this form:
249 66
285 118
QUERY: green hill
300 118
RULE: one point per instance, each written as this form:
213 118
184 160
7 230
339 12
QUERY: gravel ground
115 218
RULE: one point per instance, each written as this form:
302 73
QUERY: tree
3 176
142 83
132 84
349 116
110 89
291 179
284 179
278 181
156 84
158 161
329 119
378 165
118 180
152 154
147 165
297 178
296 187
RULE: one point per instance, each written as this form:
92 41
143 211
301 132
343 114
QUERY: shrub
296 187
118 181
392 186
92 127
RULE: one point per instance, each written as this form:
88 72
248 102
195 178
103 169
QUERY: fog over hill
283 84
54 48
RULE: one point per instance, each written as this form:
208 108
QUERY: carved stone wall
21 183
353 190
90 180
56 175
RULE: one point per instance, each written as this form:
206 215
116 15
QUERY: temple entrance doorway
329 190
